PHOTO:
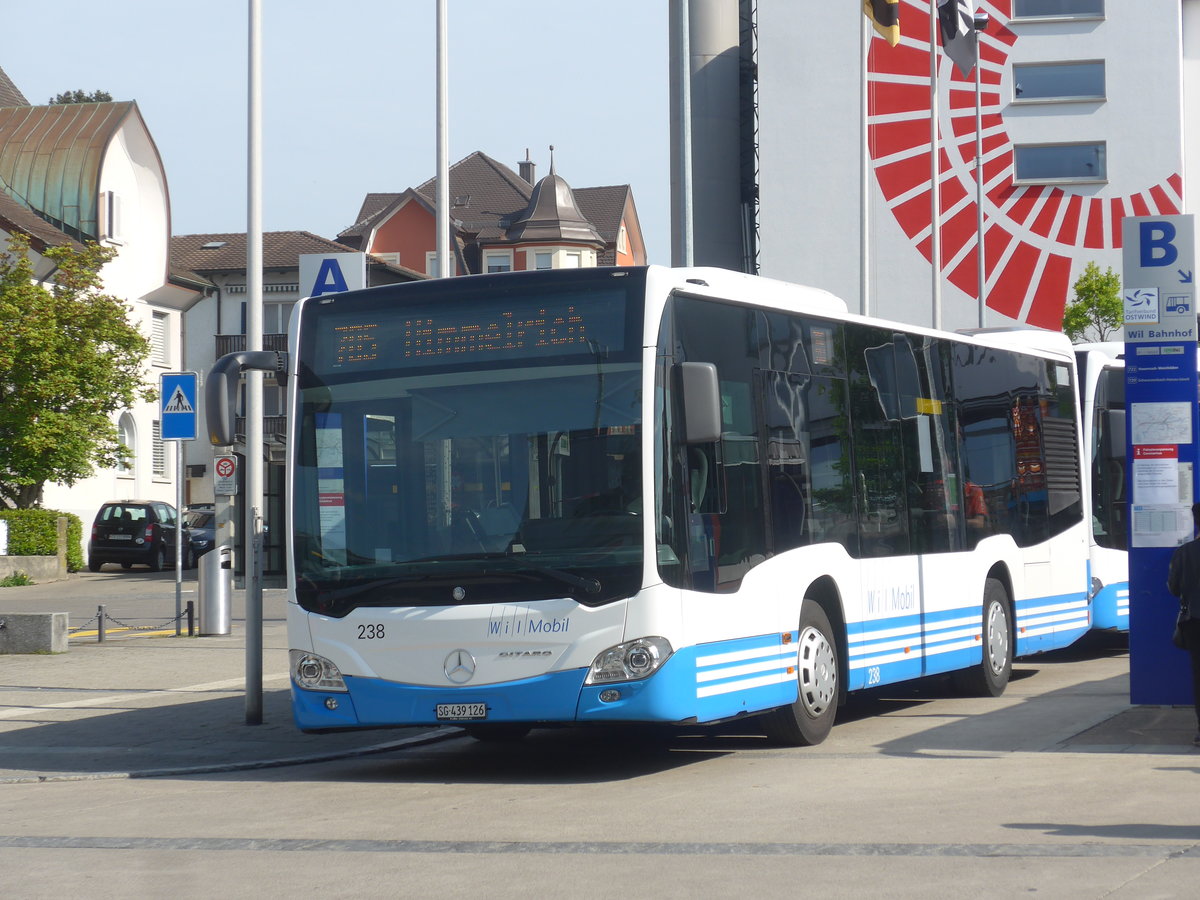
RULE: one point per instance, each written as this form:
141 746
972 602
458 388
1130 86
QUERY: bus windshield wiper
419 573
590 585
520 563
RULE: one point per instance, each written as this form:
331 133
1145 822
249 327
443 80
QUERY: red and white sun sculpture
1033 234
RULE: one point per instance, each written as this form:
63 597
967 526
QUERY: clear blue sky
349 96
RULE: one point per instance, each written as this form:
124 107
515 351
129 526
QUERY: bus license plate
458 712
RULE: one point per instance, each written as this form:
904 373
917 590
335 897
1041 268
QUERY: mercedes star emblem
459 666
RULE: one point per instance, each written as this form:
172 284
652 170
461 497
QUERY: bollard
100 626
191 610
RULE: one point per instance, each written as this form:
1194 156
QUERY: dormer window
213 245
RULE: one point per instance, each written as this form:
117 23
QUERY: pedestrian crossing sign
177 405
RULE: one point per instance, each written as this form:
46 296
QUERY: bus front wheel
808 721
990 677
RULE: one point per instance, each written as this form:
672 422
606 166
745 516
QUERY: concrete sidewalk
145 706
140 706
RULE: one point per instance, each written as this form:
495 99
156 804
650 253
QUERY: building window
127 435
1057 9
110 217
1059 81
159 344
276 317
1050 163
497 261
543 259
622 239
431 264
572 260
274 400
159 451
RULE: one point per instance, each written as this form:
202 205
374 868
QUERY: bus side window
878 444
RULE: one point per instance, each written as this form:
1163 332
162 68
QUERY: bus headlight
315 673
629 661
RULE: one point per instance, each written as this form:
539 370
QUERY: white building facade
99 178
1083 106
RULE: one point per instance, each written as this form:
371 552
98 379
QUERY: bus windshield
483 474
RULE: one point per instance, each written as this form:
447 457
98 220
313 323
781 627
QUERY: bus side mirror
220 389
701 402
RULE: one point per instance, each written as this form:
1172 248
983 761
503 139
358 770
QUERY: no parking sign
225 476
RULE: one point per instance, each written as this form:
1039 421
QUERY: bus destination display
467 332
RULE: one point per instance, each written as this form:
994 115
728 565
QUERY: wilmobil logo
528 624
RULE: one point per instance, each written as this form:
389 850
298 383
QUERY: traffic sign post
177 422
1159 257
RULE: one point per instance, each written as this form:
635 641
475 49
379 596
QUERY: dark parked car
201 521
136 532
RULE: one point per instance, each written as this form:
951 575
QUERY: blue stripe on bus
374 702
704 684
1050 623
1110 607
883 651
709 682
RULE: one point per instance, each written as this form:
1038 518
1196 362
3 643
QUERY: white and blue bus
665 495
1102 397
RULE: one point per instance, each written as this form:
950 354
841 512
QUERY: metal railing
232 343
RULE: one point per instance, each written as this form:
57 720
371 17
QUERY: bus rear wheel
990 677
808 721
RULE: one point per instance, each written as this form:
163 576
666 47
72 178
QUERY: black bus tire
808 721
990 677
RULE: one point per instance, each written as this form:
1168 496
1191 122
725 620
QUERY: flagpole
252 542
935 237
442 188
980 23
864 175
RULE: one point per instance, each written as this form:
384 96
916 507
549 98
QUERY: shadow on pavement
179 735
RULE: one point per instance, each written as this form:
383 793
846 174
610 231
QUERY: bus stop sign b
1157 243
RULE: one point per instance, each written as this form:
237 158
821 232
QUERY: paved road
1058 788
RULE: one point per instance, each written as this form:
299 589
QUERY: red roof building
502 221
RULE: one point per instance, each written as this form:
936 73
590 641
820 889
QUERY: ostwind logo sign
1141 305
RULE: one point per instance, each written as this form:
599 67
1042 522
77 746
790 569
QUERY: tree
70 360
81 97
1097 312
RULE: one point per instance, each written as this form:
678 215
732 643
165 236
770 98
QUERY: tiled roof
227 252
604 208
9 94
484 194
208 253
374 208
486 197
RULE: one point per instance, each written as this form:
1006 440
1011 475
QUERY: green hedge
34 532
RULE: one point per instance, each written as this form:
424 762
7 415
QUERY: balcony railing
231 343
274 427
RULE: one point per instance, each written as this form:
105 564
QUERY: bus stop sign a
177 405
